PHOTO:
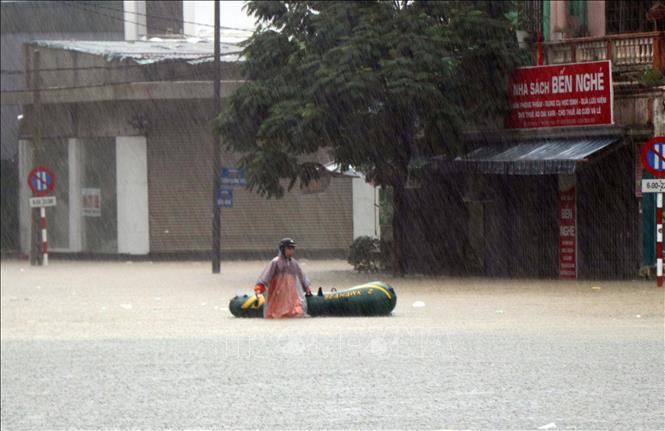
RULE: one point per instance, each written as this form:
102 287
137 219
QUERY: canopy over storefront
542 157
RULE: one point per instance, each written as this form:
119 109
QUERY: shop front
552 207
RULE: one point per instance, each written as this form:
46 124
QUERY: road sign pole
36 148
653 161
217 107
659 239
42 224
35 256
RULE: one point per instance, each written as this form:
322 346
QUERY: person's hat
286 242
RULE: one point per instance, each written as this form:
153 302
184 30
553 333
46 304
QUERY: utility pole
217 107
35 242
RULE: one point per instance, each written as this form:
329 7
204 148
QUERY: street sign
233 177
575 94
41 181
46 201
653 156
225 198
653 186
567 235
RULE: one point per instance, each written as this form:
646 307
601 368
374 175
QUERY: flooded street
88 345
519 145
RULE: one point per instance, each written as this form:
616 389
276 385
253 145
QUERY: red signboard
567 235
578 94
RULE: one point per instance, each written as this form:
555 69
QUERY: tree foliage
374 84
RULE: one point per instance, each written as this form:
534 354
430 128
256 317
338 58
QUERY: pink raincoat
285 288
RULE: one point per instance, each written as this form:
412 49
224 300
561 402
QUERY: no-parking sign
653 156
41 181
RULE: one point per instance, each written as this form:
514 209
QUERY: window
164 17
630 16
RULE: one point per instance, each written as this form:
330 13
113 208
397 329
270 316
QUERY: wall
81 68
639 107
179 178
13 59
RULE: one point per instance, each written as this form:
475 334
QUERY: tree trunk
398 227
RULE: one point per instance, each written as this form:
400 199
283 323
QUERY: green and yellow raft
371 299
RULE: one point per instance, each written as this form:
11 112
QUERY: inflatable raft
371 299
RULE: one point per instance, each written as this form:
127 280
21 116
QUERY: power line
79 6
162 17
113 84
127 66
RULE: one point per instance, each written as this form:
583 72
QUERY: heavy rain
332 215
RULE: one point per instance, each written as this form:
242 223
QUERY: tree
375 84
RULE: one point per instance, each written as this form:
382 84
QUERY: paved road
152 346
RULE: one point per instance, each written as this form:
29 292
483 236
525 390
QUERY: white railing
627 51
637 51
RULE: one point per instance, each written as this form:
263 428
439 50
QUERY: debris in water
418 304
126 306
595 288
549 426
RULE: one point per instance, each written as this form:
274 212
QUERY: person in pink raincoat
283 284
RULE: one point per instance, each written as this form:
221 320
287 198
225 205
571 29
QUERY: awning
546 157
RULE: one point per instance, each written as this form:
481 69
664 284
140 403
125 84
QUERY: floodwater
97 299
88 345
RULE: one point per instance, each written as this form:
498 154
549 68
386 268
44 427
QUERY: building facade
23 22
126 128
557 202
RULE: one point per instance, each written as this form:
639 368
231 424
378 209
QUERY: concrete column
558 19
135 19
132 194
365 209
596 17
659 116
25 151
75 219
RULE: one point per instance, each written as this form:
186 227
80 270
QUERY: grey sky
232 14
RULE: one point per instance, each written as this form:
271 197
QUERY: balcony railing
628 52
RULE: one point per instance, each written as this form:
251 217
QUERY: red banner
567 235
578 94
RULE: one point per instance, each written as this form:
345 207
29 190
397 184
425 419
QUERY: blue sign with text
233 177
225 198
